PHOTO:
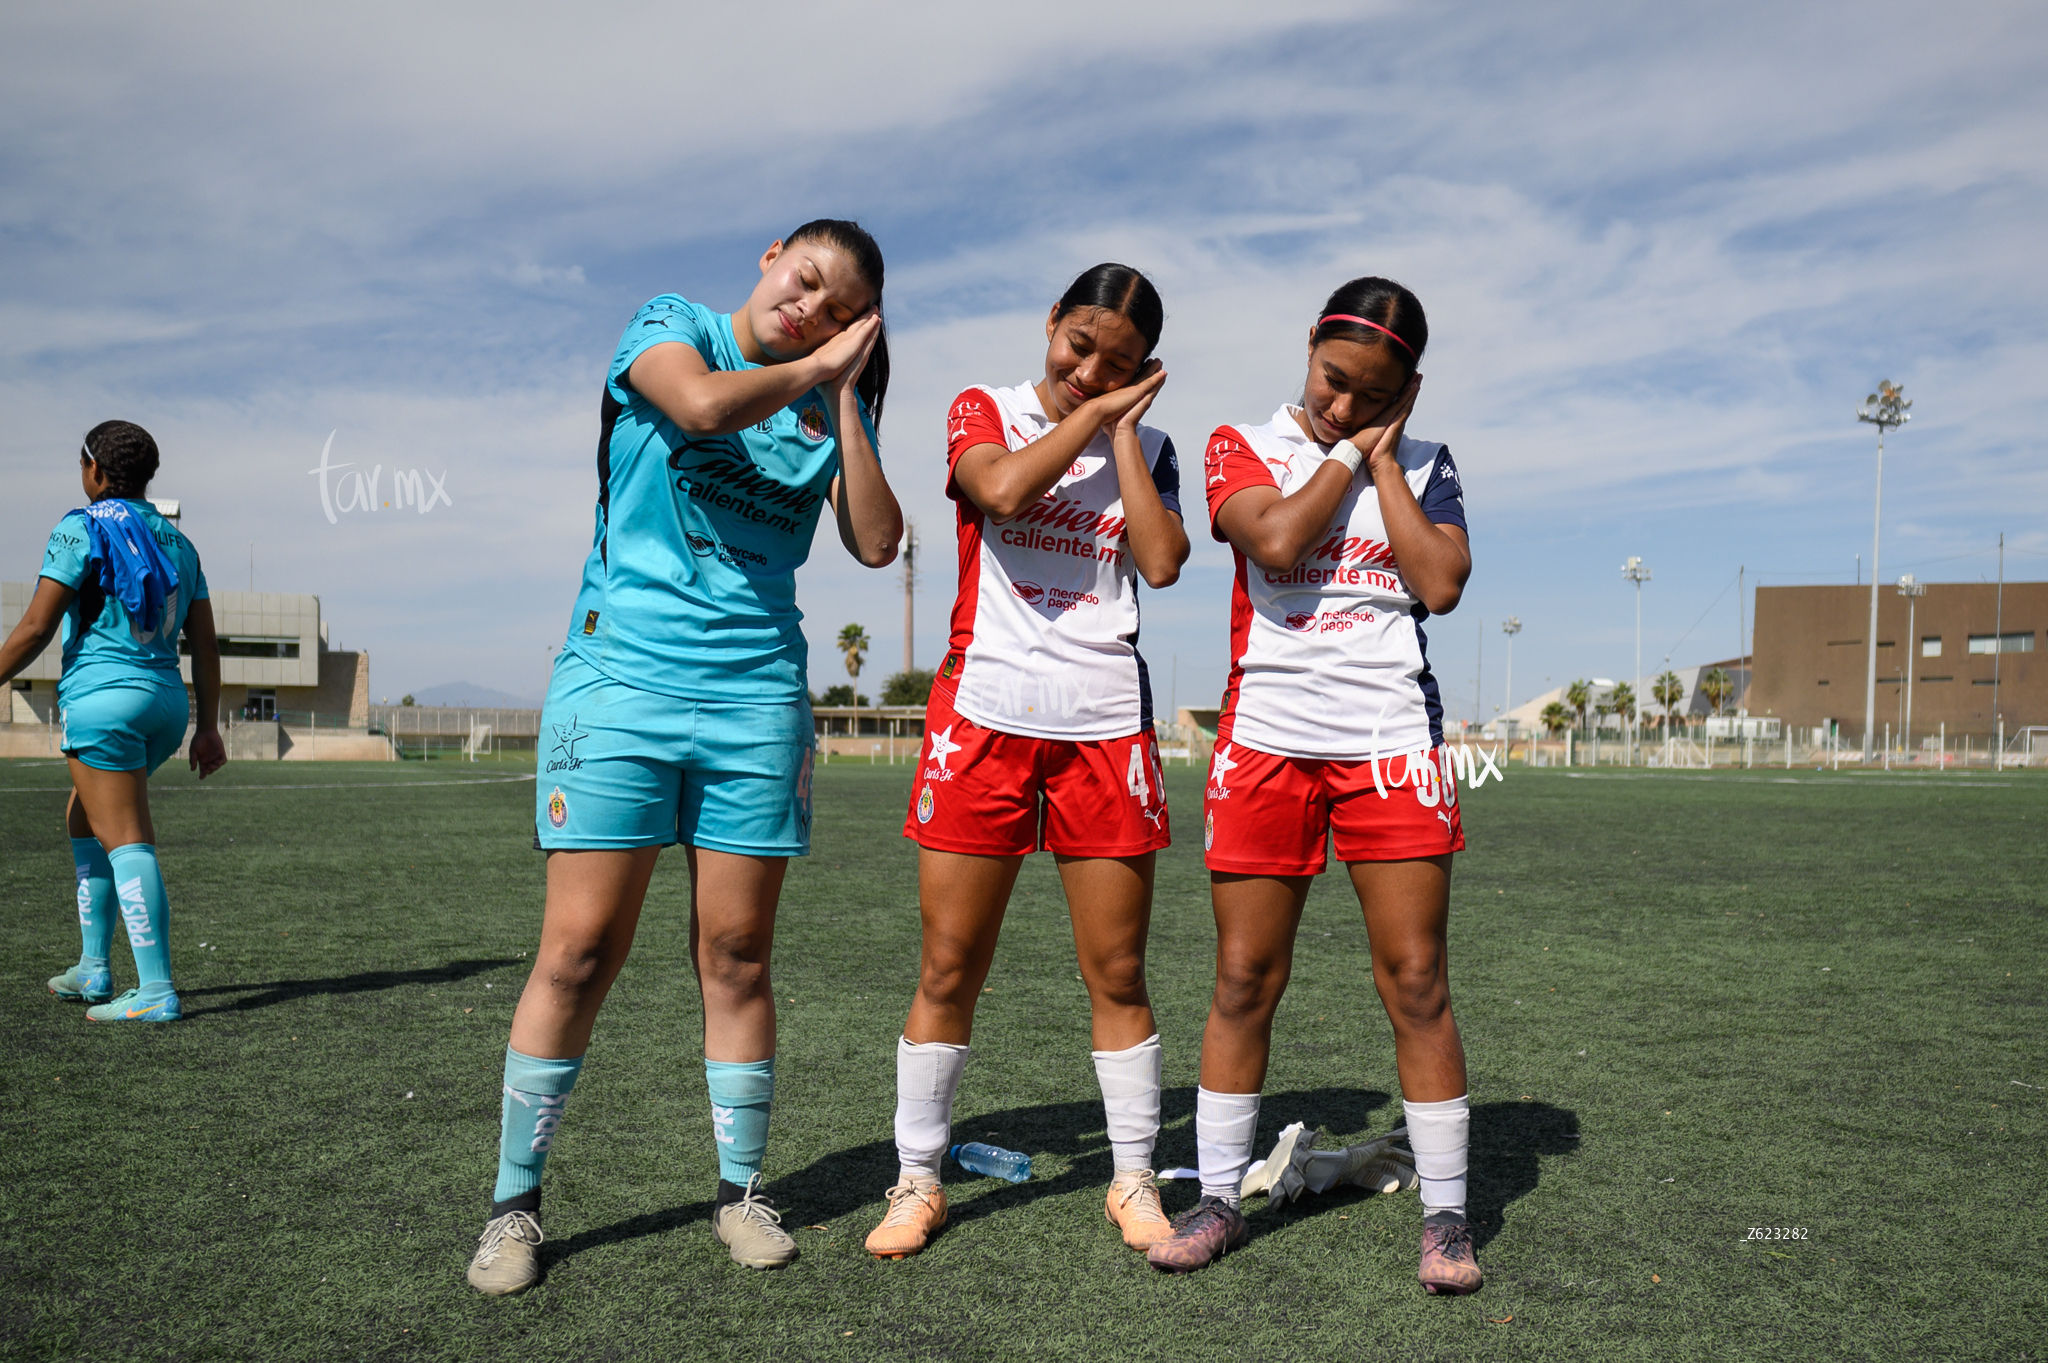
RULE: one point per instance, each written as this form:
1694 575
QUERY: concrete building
283 691
1812 658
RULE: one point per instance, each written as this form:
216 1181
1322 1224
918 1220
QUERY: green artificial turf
1693 1005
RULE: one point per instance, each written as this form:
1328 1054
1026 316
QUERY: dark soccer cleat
1200 1237
1449 1267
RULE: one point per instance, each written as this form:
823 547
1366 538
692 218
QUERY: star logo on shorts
567 736
1222 766
943 746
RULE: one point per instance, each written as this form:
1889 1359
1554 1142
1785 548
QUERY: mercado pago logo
342 493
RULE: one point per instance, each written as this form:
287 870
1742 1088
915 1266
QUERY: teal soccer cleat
160 1005
93 986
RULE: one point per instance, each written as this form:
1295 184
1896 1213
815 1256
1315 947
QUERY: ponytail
852 238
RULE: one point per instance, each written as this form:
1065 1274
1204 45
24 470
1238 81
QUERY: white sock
1438 1133
1130 1082
927 1077
1225 1126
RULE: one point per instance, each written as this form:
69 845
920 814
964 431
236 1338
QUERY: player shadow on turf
270 992
1507 1139
1502 1168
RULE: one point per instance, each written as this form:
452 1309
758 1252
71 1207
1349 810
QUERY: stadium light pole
1635 571
1510 627
1912 590
1887 409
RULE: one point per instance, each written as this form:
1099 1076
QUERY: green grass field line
1693 1004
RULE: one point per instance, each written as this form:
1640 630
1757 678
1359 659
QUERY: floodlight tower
1635 571
1912 590
1887 409
1510 627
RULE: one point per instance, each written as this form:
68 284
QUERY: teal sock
95 901
144 909
536 1090
740 1096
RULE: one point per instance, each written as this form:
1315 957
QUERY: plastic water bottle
993 1161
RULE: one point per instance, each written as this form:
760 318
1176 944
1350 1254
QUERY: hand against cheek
1381 443
1122 408
846 355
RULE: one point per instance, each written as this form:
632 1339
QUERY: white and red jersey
1328 659
1045 626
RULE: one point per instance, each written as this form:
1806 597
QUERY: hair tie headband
1347 317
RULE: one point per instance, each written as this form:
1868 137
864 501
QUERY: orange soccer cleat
916 1211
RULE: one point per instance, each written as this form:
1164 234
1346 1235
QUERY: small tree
1667 690
853 647
1717 686
842 694
1579 695
1622 701
908 688
405 700
1556 719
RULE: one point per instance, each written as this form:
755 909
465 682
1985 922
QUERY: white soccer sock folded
1130 1100
927 1077
1438 1133
1225 1126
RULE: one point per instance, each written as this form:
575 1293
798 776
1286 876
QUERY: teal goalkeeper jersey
102 643
690 586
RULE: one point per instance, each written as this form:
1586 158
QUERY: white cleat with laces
507 1255
750 1228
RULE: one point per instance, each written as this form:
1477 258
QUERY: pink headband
1347 317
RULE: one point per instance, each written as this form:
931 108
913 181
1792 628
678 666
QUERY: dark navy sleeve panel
1166 476
1443 497
669 318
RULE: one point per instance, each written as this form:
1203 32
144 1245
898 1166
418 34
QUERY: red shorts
988 793
1268 816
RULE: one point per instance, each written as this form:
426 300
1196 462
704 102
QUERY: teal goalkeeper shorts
619 767
124 724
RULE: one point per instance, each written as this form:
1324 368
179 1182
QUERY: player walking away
1331 720
679 711
122 583
1040 727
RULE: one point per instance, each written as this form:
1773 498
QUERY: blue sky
1665 250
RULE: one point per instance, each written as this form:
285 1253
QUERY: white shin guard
1225 1126
1130 1082
927 1077
1438 1133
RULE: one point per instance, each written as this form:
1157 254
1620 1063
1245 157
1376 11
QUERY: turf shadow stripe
272 992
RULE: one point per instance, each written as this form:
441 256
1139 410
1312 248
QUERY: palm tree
1556 719
1667 690
1579 695
1717 686
1622 701
853 646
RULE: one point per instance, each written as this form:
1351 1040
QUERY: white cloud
1663 252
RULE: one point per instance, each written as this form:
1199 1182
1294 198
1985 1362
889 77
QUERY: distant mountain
470 695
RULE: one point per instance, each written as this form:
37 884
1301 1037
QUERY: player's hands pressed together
869 518
1159 543
1435 559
